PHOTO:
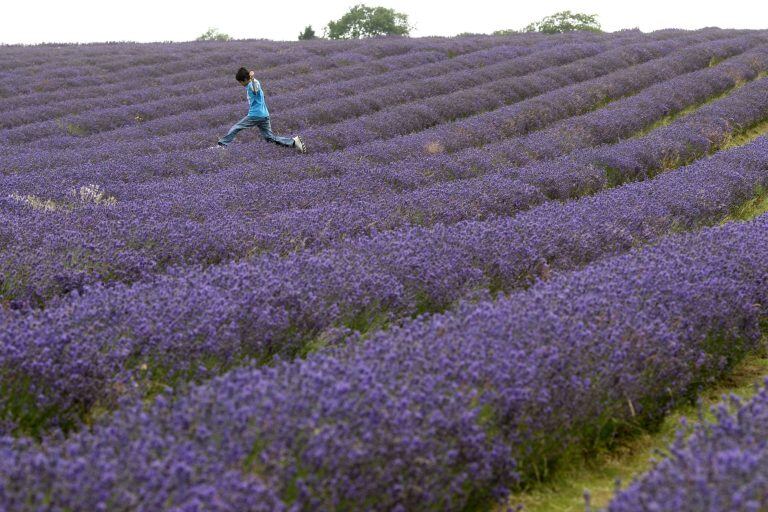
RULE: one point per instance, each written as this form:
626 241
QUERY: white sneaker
218 146
298 143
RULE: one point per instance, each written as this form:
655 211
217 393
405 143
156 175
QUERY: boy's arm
254 83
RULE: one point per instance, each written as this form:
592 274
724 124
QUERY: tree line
364 21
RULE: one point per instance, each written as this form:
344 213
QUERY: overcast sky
183 20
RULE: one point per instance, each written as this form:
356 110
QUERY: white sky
184 20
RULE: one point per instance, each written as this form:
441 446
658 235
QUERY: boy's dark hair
242 75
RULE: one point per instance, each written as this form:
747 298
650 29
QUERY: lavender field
499 253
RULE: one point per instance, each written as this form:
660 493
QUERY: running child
258 116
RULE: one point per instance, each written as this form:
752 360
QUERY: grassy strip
747 135
597 477
668 119
750 209
740 136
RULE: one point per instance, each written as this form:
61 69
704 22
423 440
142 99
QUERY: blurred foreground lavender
722 466
434 414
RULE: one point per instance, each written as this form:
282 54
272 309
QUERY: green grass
632 457
76 130
747 136
739 136
751 209
664 121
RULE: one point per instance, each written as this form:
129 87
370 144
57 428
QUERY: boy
258 116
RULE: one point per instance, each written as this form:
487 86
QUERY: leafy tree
565 21
309 33
364 21
505 32
213 34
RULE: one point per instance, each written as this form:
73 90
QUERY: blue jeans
264 127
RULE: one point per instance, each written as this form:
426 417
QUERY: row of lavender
437 414
672 96
88 350
397 70
723 466
20 160
477 116
223 234
334 110
537 104
621 119
286 80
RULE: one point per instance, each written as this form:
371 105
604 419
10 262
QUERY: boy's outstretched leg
246 122
266 131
